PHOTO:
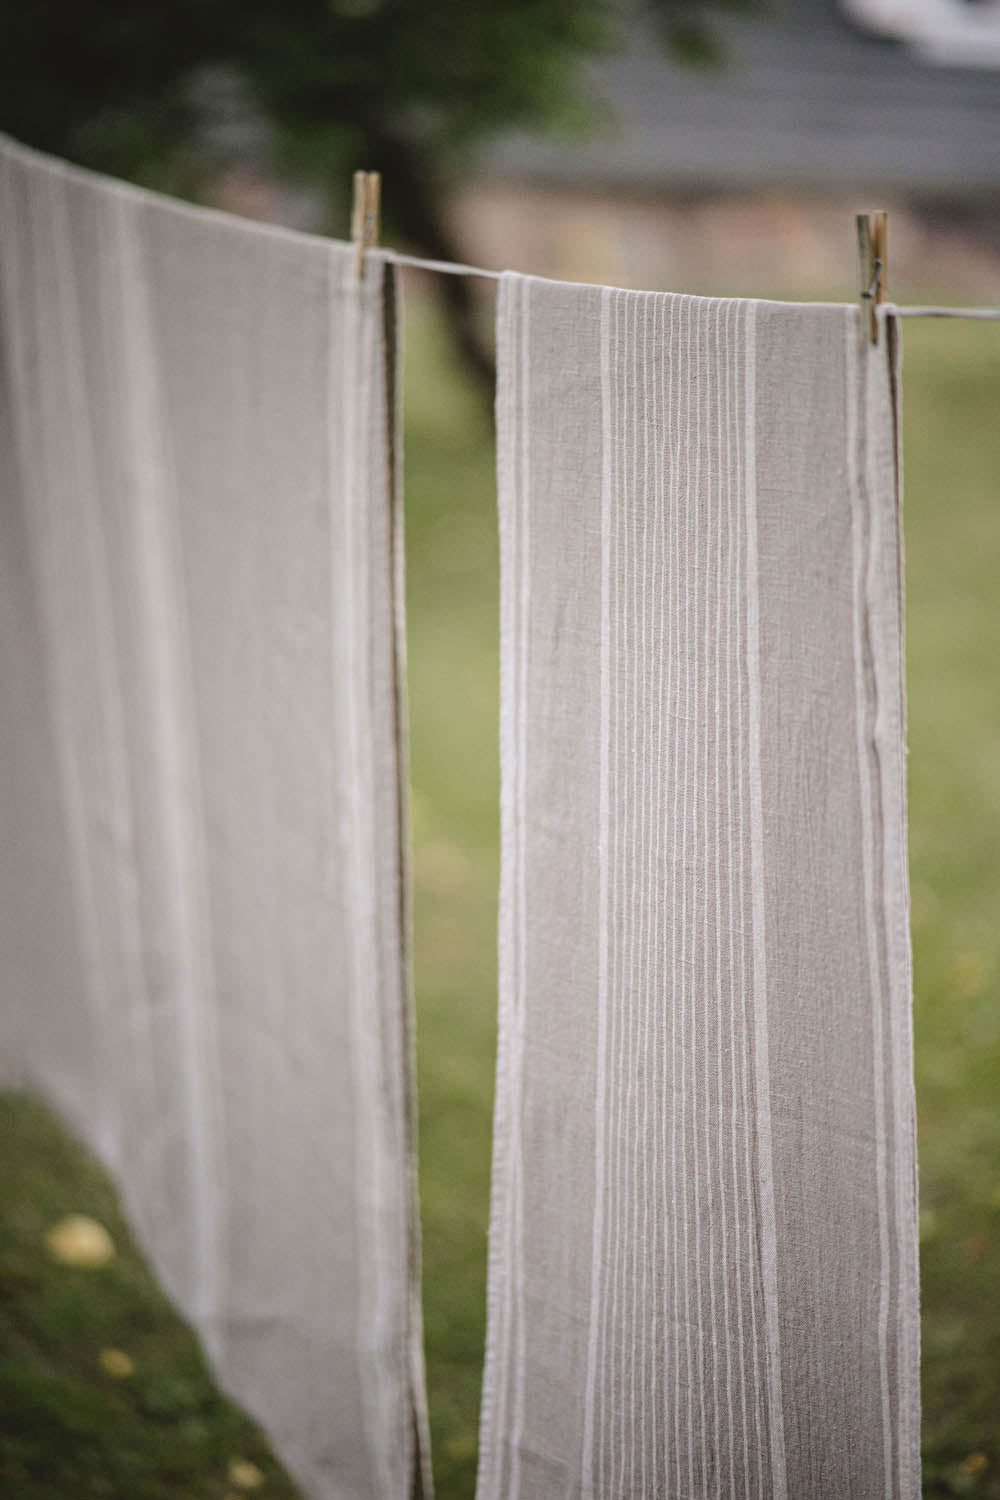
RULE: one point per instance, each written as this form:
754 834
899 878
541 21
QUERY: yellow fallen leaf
80 1241
116 1363
974 1463
245 1474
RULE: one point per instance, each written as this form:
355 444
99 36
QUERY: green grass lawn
67 1429
951 404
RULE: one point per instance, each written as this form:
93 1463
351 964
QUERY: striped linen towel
201 895
703 1264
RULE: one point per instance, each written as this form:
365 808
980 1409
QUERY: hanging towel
703 1267
202 891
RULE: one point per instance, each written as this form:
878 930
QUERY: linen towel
703 1272
204 920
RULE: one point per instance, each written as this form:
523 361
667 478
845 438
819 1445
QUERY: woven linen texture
202 893
703 1274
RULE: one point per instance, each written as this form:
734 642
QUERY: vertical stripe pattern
699 1285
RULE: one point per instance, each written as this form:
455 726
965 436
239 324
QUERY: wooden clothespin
364 218
873 268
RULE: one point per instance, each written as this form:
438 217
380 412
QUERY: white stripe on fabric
757 1355
863 551
524 560
760 996
592 1490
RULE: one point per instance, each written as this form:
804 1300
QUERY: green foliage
160 93
121 86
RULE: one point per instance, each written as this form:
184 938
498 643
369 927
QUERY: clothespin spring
873 230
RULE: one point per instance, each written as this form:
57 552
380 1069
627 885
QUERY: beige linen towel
703 1270
203 956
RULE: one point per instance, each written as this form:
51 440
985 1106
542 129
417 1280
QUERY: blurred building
757 167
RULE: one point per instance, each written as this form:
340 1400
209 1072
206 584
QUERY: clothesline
449 268
941 312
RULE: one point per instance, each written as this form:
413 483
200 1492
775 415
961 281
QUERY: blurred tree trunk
413 198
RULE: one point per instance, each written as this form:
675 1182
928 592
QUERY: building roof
806 100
